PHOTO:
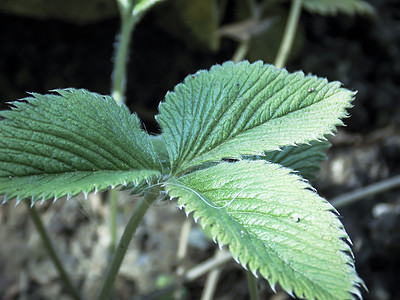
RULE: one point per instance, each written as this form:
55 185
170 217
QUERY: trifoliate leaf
304 159
246 109
77 141
329 7
274 225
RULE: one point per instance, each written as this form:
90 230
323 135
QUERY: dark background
37 55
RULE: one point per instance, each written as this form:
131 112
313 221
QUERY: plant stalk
149 198
367 191
113 199
241 51
288 37
212 279
118 84
252 284
118 87
51 251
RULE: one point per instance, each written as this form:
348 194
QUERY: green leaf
57 145
53 186
329 7
304 159
246 109
274 224
161 149
201 16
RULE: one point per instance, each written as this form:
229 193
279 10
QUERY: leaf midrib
182 166
122 149
76 154
210 125
57 133
268 250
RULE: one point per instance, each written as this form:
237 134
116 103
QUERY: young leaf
329 7
77 141
274 224
304 159
246 109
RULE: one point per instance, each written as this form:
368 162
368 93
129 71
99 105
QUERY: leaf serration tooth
254 272
290 292
236 259
17 200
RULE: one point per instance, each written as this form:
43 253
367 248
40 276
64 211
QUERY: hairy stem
288 37
118 93
51 251
121 58
149 198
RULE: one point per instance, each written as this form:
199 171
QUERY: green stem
121 58
212 279
367 191
113 196
52 252
149 198
252 284
241 51
118 93
113 227
288 37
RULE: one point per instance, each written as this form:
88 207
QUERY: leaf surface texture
304 159
56 145
246 109
274 224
